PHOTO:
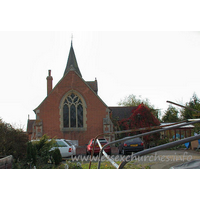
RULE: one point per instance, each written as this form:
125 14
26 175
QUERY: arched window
73 115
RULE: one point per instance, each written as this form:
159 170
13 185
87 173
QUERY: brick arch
84 105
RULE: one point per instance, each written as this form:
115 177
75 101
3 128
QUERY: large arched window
72 112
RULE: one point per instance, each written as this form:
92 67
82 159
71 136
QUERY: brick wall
49 111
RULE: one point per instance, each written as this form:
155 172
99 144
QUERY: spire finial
72 39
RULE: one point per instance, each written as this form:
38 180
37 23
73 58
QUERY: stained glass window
73 115
66 115
72 112
80 115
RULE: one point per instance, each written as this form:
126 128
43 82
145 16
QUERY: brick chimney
49 83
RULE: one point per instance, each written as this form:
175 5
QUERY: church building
72 109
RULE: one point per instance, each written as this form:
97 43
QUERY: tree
171 115
133 101
12 141
141 118
194 103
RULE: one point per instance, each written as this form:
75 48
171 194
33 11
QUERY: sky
131 47
158 65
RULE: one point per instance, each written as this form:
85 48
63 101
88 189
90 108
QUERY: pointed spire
72 40
72 61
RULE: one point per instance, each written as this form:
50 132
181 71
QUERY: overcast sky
159 66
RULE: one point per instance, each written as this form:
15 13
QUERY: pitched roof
30 125
72 62
93 85
120 113
73 66
86 83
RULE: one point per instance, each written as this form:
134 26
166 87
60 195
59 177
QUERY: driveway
159 160
167 158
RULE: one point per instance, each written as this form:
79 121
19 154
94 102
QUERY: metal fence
154 130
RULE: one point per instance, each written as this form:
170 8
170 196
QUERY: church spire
71 62
72 40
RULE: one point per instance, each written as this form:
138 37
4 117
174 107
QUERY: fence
146 151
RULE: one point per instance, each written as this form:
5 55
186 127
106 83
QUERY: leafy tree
12 141
140 118
194 103
171 115
133 101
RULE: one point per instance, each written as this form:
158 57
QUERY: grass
108 165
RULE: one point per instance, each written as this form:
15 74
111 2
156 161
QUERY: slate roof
72 62
120 113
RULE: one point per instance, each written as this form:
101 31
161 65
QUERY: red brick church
72 109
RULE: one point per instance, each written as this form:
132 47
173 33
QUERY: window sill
73 129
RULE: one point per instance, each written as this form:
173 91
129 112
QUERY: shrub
57 158
73 165
163 141
12 141
31 157
38 153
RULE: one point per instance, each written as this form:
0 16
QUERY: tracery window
72 112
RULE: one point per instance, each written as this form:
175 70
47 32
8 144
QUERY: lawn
106 165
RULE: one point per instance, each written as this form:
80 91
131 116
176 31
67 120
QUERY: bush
163 141
12 141
38 153
57 158
31 157
73 165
